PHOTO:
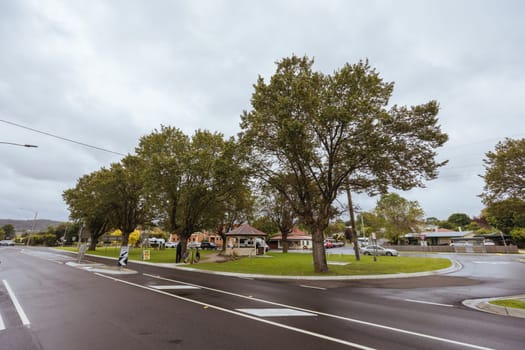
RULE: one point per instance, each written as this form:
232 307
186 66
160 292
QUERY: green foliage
265 224
2 234
325 130
9 231
459 220
46 239
518 234
506 214
400 215
447 225
504 169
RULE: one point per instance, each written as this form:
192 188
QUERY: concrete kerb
456 266
485 306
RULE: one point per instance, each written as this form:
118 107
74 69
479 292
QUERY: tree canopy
505 171
399 214
325 129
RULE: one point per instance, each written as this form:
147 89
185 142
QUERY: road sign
145 255
123 257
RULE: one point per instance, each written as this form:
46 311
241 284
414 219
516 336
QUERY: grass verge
515 303
290 264
156 255
339 265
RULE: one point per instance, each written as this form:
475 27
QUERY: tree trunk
285 242
93 242
319 253
352 222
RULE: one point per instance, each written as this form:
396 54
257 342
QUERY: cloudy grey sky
108 72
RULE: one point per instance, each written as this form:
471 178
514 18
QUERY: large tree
328 129
193 182
88 203
505 172
399 215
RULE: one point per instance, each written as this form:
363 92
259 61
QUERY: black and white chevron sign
123 257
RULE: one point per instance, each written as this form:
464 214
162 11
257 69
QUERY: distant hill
26 225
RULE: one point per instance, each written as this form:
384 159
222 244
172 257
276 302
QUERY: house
297 239
440 236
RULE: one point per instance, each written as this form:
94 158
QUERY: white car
378 250
171 244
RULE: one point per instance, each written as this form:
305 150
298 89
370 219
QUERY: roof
295 235
431 234
246 230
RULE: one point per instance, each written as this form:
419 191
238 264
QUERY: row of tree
308 137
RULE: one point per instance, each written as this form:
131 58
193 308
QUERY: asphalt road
47 304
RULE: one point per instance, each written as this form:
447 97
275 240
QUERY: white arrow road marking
21 313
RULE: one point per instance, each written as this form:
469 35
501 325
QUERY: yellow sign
145 255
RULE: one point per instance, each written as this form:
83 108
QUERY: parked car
208 245
7 242
171 244
378 250
488 242
194 245
461 244
156 242
328 244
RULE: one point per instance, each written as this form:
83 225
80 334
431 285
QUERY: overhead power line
62 138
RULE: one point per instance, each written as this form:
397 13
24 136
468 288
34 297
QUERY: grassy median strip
291 264
515 303
302 265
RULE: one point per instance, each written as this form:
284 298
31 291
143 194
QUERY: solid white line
312 287
21 313
365 323
317 335
2 324
428 302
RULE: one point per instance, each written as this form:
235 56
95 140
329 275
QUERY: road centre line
295 329
18 307
353 320
428 302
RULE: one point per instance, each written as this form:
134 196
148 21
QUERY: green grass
515 303
291 264
156 256
302 265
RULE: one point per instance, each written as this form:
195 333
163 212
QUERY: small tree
460 220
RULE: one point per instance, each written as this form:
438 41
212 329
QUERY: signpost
145 255
82 251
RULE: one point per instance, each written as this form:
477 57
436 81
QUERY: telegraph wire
62 138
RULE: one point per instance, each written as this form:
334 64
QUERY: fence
457 249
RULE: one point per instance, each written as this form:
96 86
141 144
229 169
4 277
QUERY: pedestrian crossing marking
280 312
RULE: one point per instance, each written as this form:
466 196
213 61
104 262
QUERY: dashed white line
312 287
348 319
18 307
2 324
428 302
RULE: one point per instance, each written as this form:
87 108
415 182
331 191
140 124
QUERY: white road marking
2 324
493 262
275 312
179 286
428 302
340 263
312 287
298 330
365 323
21 313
